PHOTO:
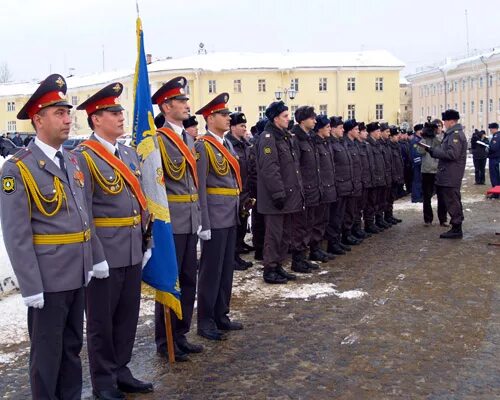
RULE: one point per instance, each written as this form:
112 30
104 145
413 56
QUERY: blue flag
161 271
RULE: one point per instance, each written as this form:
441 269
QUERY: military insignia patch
197 155
267 150
59 82
79 178
455 140
9 184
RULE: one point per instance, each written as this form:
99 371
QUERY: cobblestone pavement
403 316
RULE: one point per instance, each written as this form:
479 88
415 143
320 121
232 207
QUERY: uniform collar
219 139
49 151
112 148
176 128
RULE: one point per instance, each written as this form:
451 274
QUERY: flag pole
170 338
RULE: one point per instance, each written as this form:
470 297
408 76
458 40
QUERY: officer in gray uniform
219 188
46 230
452 155
181 180
118 208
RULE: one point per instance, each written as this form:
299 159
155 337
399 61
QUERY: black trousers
351 209
241 231
56 335
215 278
391 194
277 239
185 248
302 226
408 177
258 229
337 212
320 220
428 190
112 307
479 170
361 205
371 205
452 200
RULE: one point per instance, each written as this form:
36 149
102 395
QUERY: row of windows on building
453 86
294 85
463 110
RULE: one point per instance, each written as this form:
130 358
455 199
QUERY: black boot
299 263
240 264
387 220
350 240
258 255
326 254
372 228
380 223
345 247
397 220
280 270
318 255
272 276
454 233
359 233
334 248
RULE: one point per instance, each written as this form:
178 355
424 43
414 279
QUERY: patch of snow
14 315
351 294
350 339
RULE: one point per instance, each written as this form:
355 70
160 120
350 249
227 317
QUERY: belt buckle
136 220
86 236
237 191
192 197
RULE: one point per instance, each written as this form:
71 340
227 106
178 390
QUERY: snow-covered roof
230 61
403 80
238 61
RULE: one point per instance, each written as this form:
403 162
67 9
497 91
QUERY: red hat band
214 108
101 104
169 94
44 101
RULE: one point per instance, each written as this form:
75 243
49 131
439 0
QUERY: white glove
199 230
146 257
100 270
35 301
205 235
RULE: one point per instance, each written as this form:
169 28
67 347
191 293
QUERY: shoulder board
456 132
77 149
20 155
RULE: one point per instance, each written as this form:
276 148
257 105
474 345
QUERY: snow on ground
250 285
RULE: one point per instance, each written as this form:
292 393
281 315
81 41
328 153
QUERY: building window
262 112
351 111
74 100
379 85
379 111
422 112
480 82
237 86
237 108
490 105
212 87
471 83
455 86
293 109
323 109
426 91
351 84
11 126
433 90
323 84
463 107
294 84
481 103
456 107
441 108
262 85
490 80
472 107
463 84
11 106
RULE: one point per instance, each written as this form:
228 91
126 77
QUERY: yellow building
361 85
470 85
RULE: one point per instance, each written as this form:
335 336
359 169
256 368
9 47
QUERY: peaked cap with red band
173 89
104 99
217 105
51 92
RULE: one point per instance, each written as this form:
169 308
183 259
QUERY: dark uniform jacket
252 167
378 168
343 167
121 246
416 158
218 211
494 146
366 158
397 170
242 149
328 190
478 150
45 267
387 154
309 168
278 172
186 215
353 150
405 153
452 155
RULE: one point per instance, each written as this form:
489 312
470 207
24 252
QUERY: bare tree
5 74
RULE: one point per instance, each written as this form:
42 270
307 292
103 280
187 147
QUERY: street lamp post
287 93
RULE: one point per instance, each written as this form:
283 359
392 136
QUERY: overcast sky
42 36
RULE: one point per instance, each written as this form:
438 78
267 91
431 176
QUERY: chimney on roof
148 58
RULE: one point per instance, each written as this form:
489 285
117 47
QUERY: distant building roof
231 61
